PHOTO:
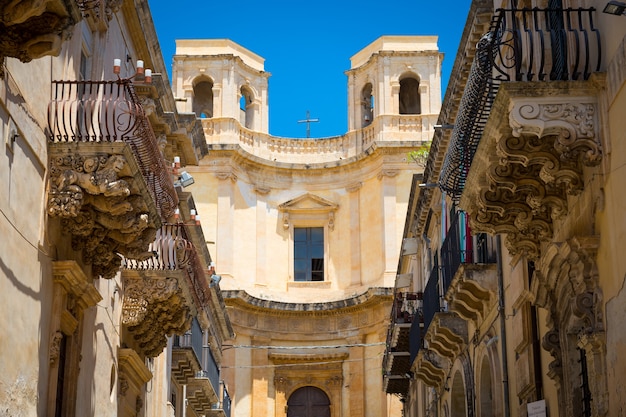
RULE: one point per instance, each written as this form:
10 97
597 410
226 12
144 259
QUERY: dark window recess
308 249
58 412
584 384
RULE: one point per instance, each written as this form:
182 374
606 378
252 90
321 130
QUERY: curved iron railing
172 250
521 45
110 111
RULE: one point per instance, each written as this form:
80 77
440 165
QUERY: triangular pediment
308 203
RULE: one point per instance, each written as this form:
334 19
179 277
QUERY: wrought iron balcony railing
521 45
461 247
545 44
210 370
224 403
432 297
405 307
172 250
110 111
192 339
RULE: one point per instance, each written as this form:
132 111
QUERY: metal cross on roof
308 122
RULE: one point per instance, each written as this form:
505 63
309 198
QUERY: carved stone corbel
140 294
101 205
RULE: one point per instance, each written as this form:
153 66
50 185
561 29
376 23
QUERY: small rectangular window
308 249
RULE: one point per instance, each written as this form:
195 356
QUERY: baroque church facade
305 233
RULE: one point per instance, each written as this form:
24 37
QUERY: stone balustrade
385 128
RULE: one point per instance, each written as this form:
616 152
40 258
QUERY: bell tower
217 78
394 75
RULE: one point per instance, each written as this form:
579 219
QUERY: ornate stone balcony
538 142
447 335
201 394
163 292
186 358
108 181
473 291
221 132
431 368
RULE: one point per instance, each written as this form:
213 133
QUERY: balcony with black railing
468 270
187 354
537 47
396 363
530 105
222 408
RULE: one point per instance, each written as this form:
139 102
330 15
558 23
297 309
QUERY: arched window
308 402
245 104
203 99
409 99
487 405
367 105
457 396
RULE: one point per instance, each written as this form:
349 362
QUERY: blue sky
307 45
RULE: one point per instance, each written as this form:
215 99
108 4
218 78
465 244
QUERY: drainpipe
505 364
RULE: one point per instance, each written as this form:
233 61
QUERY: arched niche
247 107
202 102
409 100
367 105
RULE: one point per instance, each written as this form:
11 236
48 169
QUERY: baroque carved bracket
102 205
530 161
30 29
153 308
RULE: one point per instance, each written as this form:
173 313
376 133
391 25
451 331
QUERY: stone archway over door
308 402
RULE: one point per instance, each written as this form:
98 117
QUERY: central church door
308 402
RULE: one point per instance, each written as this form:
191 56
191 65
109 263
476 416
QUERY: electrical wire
302 347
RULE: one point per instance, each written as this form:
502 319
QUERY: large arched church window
203 99
308 402
409 99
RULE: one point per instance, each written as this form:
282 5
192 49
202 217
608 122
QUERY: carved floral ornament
154 307
528 163
101 206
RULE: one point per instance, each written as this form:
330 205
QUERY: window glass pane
317 251
301 265
308 252
317 234
299 234
300 251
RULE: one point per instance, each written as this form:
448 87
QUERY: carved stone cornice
70 276
97 191
530 161
30 29
309 206
154 307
